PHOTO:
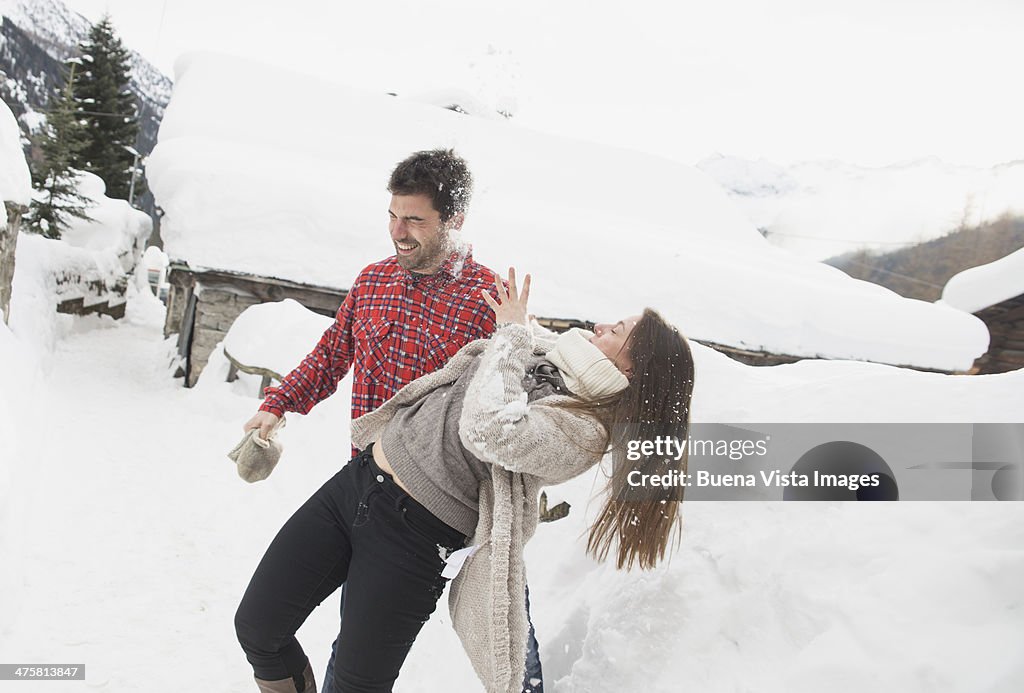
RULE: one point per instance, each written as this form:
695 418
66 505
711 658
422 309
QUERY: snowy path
115 578
134 536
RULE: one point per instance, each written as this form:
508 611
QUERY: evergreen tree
108 108
57 199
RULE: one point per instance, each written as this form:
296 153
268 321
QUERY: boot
289 685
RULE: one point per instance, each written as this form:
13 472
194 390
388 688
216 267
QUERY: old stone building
202 305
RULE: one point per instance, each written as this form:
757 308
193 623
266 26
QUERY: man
404 316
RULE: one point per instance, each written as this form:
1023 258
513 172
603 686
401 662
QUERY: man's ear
456 221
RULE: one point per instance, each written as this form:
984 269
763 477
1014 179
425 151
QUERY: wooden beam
267 374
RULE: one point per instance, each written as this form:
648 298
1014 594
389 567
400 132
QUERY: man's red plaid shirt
393 327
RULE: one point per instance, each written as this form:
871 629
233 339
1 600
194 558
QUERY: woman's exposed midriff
381 460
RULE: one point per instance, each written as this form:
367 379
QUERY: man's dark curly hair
440 174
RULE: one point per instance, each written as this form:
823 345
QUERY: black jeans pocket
363 509
424 525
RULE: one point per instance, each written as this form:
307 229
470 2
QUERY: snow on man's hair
440 174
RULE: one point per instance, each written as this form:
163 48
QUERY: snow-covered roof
15 182
820 209
979 287
294 187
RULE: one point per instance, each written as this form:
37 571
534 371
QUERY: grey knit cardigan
528 445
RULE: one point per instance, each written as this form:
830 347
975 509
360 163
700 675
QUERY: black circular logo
843 470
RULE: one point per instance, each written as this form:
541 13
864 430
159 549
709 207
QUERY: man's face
421 241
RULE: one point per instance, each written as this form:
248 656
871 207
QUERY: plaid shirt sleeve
317 377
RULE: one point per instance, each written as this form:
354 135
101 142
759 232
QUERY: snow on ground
134 535
20 378
130 539
242 192
16 362
979 287
819 209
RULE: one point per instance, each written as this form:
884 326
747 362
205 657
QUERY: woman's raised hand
510 306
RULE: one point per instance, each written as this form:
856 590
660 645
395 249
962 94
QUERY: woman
462 453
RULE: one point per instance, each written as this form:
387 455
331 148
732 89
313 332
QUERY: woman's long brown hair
656 404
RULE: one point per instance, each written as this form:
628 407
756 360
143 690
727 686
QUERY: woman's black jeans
360 529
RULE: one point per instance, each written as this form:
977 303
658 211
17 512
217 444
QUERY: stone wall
216 309
1005 323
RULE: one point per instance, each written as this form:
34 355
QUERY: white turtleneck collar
587 372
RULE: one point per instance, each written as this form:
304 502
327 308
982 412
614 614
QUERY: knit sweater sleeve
499 426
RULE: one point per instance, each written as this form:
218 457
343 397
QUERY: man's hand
263 420
510 305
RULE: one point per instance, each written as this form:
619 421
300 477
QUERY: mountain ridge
821 209
36 37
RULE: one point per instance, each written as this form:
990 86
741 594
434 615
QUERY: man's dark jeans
359 529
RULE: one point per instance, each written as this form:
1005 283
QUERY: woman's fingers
513 291
509 305
502 294
511 294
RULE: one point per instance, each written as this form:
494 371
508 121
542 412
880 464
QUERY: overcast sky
871 82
